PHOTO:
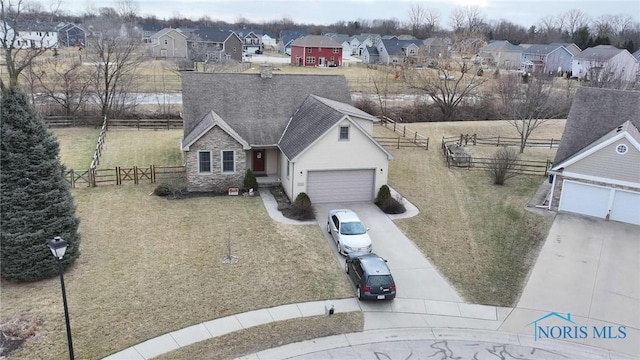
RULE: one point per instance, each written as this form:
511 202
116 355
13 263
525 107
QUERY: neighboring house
147 30
250 41
268 39
316 50
71 35
636 55
370 55
502 54
571 47
215 45
359 43
33 34
434 48
286 38
305 135
604 61
169 43
344 40
546 59
597 165
393 51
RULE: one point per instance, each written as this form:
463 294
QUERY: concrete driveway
415 277
589 268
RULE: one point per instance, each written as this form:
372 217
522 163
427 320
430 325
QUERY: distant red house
316 50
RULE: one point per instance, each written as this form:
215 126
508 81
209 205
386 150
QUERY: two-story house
147 30
169 43
502 54
604 61
214 45
286 38
316 50
540 58
32 34
434 47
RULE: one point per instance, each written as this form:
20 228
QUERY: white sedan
348 232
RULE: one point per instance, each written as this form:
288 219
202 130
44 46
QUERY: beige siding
216 140
271 161
607 163
330 153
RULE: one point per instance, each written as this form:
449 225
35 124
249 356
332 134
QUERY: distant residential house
169 43
539 58
596 170
316 50
435 47
286 38
32 34
468 47
604 61
406 37
359 43
266 38
71 35
147 30
637 56
370 55
393 51
502 54
571 47
250 40
344 40
215 45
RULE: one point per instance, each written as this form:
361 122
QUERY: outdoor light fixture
58 247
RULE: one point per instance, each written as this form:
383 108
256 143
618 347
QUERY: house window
311 59
234 49
228 161
335 50
288 166
309 50
204 162
344 133
166 41
622 149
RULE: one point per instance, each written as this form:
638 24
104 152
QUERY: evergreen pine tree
35 201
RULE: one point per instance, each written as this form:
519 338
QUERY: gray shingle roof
395 47
258 109
599 53
372 50
501 45
213 35
316 41
312 120
540 49
594 113
636 55
287 36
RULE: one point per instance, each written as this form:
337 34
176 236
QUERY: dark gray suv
371 276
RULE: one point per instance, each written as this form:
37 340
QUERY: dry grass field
477 234
77 146
128 148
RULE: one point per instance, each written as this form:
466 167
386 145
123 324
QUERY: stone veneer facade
215 140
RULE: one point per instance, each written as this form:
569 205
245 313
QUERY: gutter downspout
293 174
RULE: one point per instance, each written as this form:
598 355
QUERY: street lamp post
58 247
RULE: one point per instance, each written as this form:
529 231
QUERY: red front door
258 160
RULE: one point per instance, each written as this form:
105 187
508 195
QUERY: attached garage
596 201
341 185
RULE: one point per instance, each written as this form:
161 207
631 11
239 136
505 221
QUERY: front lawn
151 265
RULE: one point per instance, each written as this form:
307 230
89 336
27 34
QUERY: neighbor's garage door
340 185
594 201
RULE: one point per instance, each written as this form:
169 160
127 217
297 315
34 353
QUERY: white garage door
626 207
340 186
596 201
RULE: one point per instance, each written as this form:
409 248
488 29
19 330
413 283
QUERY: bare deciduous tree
417 19
65 84
526 106
115 47
575 19
503 165
19 52
380 80
448 85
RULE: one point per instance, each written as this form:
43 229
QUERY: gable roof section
541 49
372 50
501 45
258 109
594 113
636 55
213 35
598 53
395 47
316 41
207 123
167 31
314 118
287 36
